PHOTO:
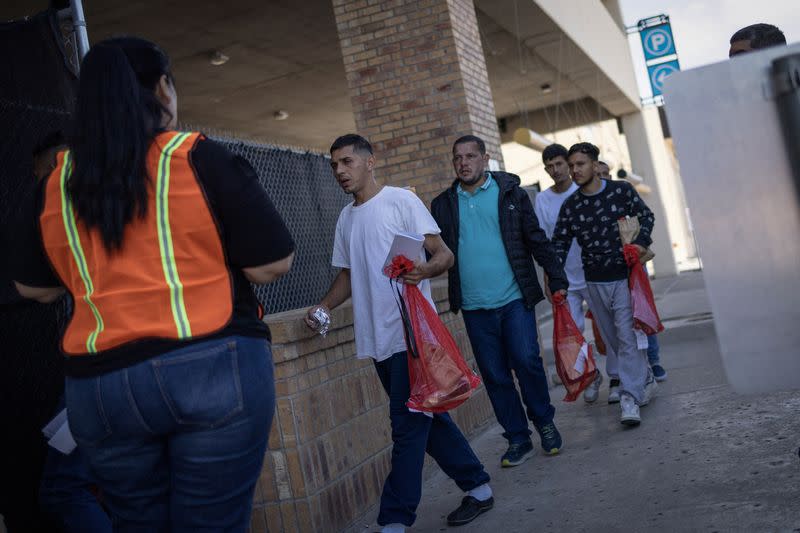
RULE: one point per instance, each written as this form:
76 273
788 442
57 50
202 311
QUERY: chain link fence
305 193
37 89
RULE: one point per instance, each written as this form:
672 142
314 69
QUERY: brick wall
330 442
417 80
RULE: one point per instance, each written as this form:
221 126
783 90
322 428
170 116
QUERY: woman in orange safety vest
156 234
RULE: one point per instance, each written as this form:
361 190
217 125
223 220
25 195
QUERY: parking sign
657 41
658 73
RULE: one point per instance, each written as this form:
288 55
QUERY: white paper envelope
59 420
407 244
63 440
583 359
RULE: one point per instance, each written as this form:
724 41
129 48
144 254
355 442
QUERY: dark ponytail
116 117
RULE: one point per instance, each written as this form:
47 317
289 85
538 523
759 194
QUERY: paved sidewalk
703 459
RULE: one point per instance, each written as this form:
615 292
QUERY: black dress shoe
469 510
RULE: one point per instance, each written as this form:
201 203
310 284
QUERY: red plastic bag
645 314
574 359
440 378
599 343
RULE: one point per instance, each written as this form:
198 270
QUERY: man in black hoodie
488 222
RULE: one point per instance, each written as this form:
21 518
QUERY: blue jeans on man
177 442
653 348
413 434
505 339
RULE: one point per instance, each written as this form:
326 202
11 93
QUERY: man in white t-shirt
547 206
364 233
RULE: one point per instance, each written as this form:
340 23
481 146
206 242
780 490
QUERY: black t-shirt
252 232
592 221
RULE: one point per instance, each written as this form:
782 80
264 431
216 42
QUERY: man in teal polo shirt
488 222
478 238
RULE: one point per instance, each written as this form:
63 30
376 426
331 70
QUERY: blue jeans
504 339
177 442
413 434
653 350
65 492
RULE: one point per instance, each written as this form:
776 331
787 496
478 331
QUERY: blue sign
657 41
658 73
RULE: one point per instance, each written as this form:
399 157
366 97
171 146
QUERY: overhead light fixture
218 58
630 176
280 115
531 139
546 88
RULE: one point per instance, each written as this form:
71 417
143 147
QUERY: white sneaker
613 391
593 391
650 390
629 411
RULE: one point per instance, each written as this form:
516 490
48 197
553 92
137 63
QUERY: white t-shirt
548 204
364 234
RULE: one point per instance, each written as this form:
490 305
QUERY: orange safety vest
170 280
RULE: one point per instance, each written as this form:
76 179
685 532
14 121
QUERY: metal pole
79 26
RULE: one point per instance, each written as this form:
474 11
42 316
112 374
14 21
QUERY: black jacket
522 237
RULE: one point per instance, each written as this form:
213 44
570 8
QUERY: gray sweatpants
611 306
575 299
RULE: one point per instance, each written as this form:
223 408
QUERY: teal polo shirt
487 281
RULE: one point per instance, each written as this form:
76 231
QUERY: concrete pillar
649 160
417 80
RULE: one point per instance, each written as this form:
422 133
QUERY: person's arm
33 276
541 248
441 259
562 235
540 212
340 288
337 294
255 236
637 208
269 272
418 220
44 295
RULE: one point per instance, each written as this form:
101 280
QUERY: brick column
417 79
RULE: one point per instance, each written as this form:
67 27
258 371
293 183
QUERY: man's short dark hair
553 151
760 36
585 148
464 139
359 143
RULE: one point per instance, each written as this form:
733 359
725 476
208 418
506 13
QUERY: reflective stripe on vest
169 281
77 252
165 239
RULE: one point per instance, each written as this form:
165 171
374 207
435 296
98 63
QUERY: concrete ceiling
285 55
517 74
540 45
